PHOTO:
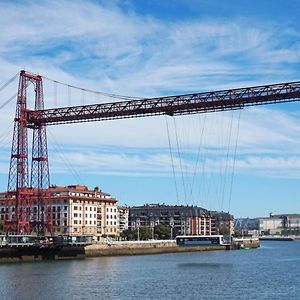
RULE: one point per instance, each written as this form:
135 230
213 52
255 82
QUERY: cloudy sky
246 161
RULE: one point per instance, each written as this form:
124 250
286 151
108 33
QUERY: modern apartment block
79 211
183 220
123 217
223 222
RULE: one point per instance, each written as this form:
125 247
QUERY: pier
18 248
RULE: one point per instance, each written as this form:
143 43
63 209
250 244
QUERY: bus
199 240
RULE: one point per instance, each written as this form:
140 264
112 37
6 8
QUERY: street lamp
172 226
152 229
138 229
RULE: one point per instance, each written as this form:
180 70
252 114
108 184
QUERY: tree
1 225
145 233
224 230
162 232
129 235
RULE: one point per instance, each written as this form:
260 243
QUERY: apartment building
223 222
183 220
284 224
78 211
123 217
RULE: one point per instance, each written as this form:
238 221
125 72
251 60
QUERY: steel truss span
28 203
171 105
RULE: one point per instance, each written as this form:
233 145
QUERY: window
90 215
90 222
75 215
94 208
75 222
80 222
107 216
90 208
65 207
75 207
65 215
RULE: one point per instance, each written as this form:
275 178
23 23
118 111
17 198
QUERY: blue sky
150 48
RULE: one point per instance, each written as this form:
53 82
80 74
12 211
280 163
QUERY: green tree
224 230
129 235
145 233
162 232
1 226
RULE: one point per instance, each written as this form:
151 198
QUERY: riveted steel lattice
28 205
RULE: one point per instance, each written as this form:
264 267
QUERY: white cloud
105 48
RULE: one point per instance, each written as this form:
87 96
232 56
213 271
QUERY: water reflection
271 272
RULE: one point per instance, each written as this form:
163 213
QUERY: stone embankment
142 247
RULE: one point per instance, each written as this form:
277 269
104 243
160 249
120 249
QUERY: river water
270 272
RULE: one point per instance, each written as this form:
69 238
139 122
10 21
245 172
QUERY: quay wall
142 248
38 253
50 252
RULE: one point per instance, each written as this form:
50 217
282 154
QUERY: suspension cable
180 161
115 96
9 82
198 157
234 160
66 161
227 157
12 97
172 160
8 101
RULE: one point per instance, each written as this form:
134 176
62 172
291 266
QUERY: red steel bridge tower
28 203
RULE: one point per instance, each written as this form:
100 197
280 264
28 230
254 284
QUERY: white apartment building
272 225
79 211
123 217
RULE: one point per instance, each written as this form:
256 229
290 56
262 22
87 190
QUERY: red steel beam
171 105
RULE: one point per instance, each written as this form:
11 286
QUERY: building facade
223 223
284 224
78 211
183 220
123 217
